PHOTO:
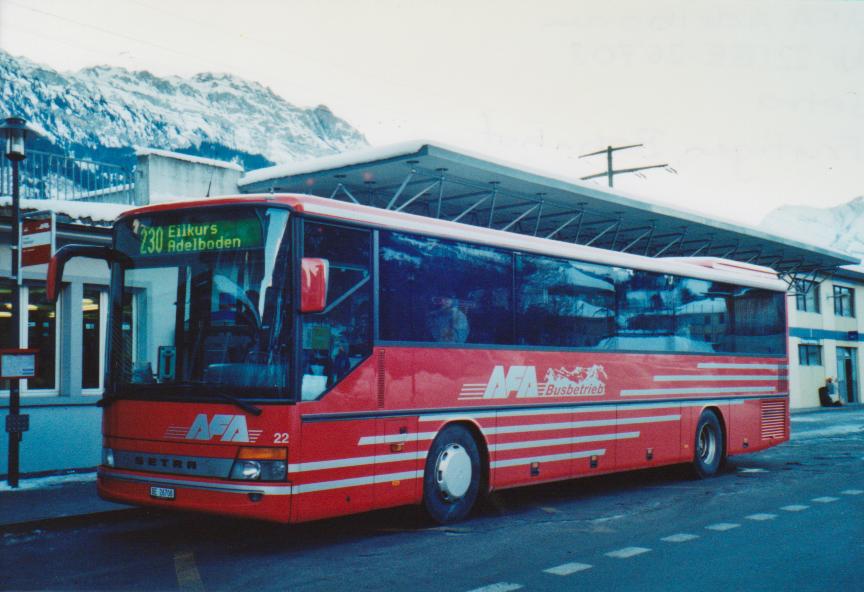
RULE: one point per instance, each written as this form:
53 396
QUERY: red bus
290 358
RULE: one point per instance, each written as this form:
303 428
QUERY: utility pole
610 171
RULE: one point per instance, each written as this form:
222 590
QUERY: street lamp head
15 131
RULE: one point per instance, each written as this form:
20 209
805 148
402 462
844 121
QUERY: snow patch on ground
47 482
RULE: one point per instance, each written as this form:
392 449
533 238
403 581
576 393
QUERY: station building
825 328
826 298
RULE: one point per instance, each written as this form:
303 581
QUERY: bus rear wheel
451 480
709 449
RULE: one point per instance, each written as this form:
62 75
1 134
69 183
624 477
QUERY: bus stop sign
17 363
37 238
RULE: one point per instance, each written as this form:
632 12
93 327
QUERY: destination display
171 237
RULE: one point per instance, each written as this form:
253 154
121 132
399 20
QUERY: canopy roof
441 182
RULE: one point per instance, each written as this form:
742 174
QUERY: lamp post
15 131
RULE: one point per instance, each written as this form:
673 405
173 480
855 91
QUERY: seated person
446 322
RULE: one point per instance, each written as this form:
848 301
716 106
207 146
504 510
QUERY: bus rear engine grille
773 425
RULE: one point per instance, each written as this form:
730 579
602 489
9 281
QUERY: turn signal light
249 453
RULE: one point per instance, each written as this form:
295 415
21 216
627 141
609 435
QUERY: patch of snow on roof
352 157
77 210
188 158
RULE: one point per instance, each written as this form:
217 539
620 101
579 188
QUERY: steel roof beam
525 213
418 195
578 216
342 187
539 215
605 230
673 243
705 246
637 239
472 207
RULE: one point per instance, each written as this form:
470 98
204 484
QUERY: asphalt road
791 518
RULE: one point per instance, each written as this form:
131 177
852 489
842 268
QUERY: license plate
162 492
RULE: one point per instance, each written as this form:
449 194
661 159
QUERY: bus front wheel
451 480
709 449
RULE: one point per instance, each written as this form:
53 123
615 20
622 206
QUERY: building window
91 332
807 296
7 289
810 355
844 301
42 335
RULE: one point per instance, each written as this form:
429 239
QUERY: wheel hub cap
453 472
707 445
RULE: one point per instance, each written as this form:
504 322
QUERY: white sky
754 104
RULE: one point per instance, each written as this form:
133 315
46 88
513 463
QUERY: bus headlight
260 464
108 457
249 470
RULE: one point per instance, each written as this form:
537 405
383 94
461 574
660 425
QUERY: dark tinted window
645 312
91 330
718 317
434 290
563 303
444 291
42 335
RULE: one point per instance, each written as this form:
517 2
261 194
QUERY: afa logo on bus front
521 382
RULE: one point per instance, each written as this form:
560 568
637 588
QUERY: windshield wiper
221 394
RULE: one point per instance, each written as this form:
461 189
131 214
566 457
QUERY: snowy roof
436 180
79 211
188 158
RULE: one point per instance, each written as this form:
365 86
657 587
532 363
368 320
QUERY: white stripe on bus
728 366
561 441
515 462
358 461
719 378
555 410
396 438
698 390
357 481
563 425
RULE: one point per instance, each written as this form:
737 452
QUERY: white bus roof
723 271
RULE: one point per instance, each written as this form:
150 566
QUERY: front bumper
262 501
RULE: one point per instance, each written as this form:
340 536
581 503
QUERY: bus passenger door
336 378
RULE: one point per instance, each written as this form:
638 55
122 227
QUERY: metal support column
15 437
400 190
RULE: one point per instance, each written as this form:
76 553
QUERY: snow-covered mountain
840 228
104 112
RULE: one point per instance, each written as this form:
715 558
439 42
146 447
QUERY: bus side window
337 339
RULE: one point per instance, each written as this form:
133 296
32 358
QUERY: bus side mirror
64 254
315 274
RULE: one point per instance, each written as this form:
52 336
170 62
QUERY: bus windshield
205 304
